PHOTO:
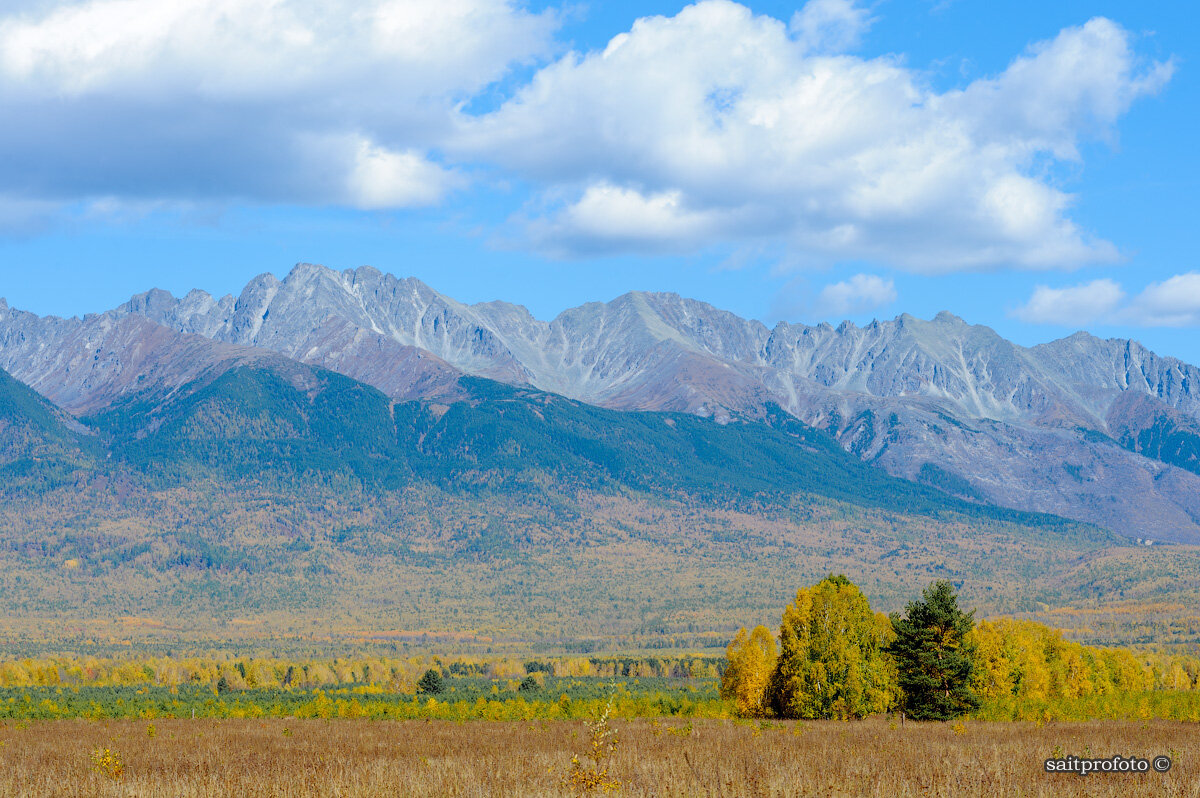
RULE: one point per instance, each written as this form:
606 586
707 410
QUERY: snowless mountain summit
1099 430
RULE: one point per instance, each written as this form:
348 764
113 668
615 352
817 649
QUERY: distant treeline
391 674
548 688
459 699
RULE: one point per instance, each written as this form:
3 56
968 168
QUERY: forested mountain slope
297 498
1102 431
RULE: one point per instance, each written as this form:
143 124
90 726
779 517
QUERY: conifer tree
934 655
432 682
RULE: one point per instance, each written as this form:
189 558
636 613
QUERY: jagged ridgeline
1105 432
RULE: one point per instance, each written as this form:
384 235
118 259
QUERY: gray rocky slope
85 364
1099 430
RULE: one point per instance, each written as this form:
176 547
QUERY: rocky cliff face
1054 427
652 351
635 352
85 364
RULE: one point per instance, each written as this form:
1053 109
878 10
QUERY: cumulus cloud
856 295
829 25
382 178
713 126
860 294
839 156
259 100
1073 305
1174 302
608 219
229 49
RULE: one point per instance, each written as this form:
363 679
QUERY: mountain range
1101 431
349 450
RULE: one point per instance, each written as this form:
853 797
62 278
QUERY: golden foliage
831 661
602 743
751 660
107 764
1027 660
400 575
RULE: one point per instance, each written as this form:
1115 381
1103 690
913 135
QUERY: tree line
835 658
399 675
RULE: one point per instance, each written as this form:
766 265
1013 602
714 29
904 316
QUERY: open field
291 757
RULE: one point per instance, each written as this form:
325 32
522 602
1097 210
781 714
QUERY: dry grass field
288 757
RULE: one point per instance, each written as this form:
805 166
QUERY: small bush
107 763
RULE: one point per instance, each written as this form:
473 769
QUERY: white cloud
1174 302
829 25
261 48
715 125
836 156
608 218
1072 306
385 179
1077 84
260 100
860 294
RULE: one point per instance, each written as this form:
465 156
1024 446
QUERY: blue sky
1029 166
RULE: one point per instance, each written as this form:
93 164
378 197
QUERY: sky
1027 166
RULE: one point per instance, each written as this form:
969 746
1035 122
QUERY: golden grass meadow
875 757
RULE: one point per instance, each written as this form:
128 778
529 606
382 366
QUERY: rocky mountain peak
149 303
307 271
948 318
901 393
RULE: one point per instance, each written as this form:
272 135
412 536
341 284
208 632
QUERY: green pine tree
933 655
432 682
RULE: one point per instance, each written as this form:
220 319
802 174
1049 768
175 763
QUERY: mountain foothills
355 450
